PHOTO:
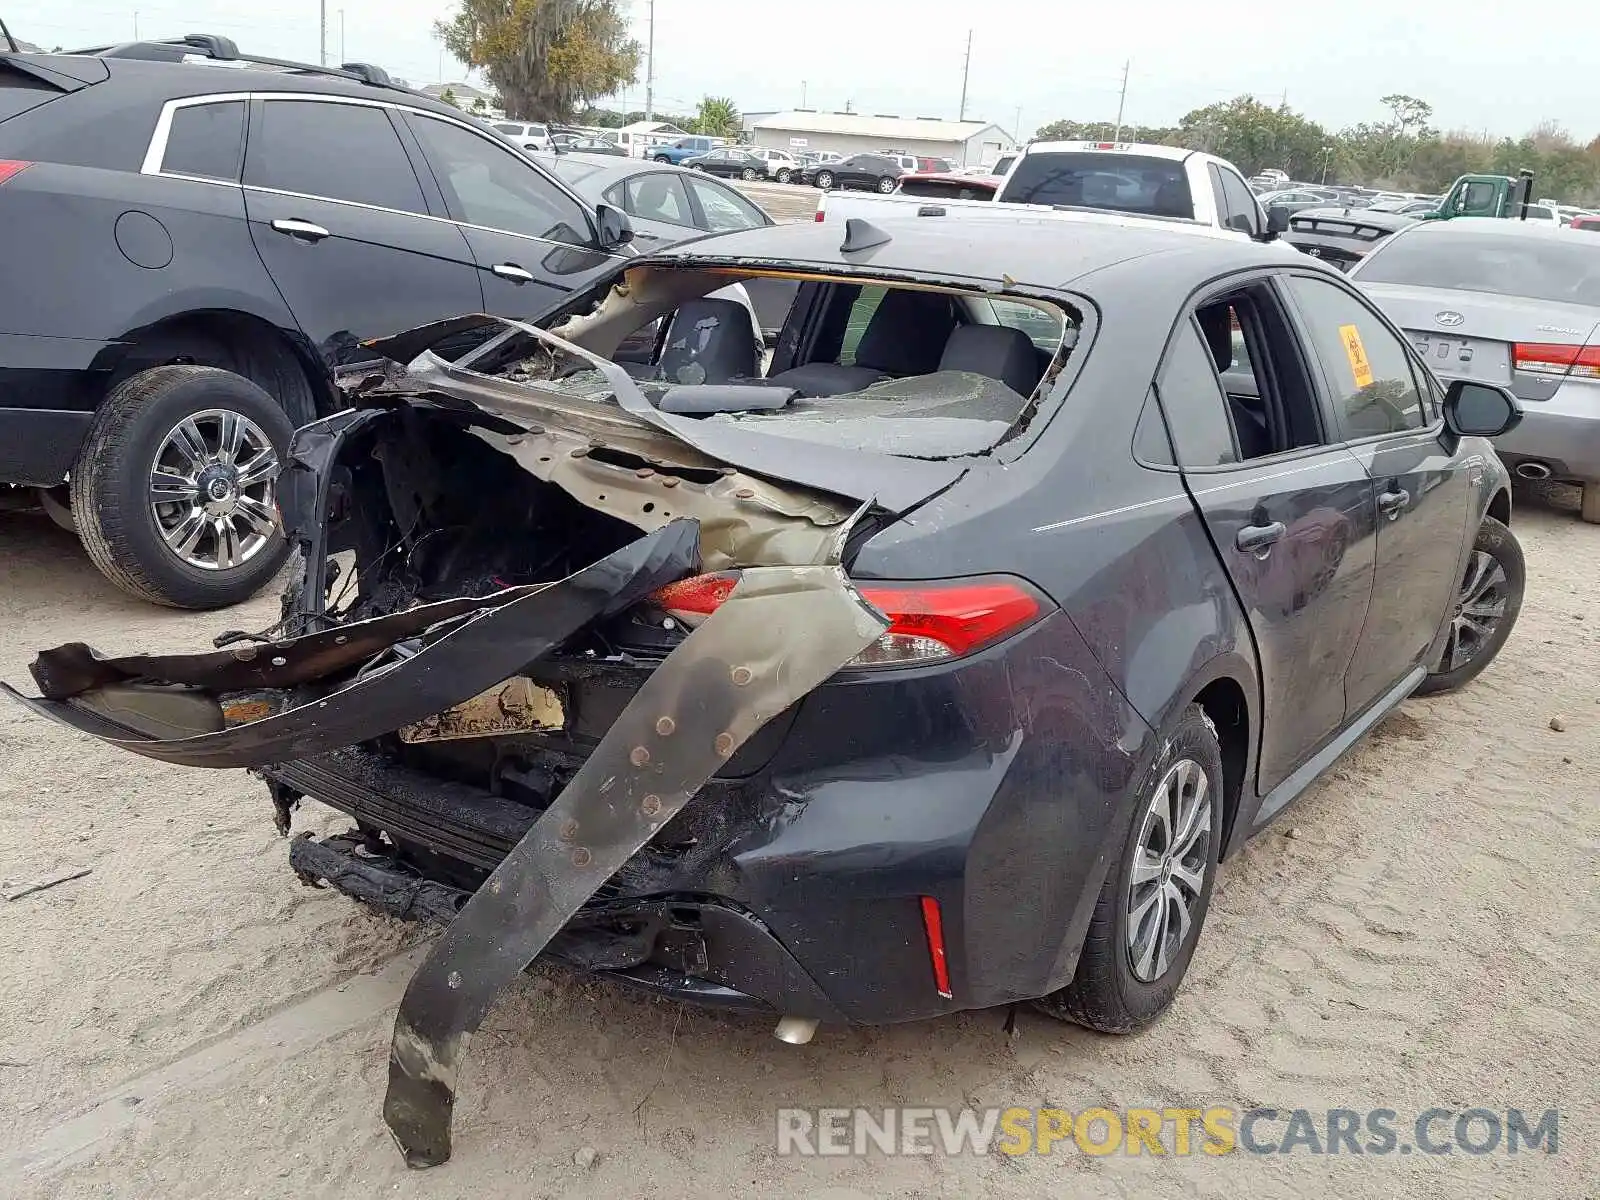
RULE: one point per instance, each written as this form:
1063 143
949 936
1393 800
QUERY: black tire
825 180
111 485
747 174
784 175
1502 547
1105 993
887 184
661 158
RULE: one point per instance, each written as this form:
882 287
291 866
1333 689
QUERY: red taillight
933 926
10 167
822 207
1549 358
927 621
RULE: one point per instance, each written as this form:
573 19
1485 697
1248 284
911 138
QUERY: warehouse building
968 143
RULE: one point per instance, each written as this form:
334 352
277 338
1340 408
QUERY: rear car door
1389 417
1288 508
338 216
532 240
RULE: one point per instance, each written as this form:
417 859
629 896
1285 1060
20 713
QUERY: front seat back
711 341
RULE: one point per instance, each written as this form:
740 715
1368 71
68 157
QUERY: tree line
1403 152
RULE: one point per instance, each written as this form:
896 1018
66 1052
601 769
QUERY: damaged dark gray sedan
928 658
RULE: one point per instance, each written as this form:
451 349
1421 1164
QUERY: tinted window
206 140
342 151
485 184
724 209
504 127
1128 183
1191 394
659 196
1367 368
1553 267
1240 201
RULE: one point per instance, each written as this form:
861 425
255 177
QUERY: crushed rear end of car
589 672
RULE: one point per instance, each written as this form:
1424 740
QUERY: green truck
1486 196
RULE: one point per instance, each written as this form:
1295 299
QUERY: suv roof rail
219 49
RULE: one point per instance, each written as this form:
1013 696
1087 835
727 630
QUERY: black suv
191 251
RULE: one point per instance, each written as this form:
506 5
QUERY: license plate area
515 705
1460 357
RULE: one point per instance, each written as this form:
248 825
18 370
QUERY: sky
1031 62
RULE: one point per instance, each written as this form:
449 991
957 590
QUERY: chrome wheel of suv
1171 859
211 489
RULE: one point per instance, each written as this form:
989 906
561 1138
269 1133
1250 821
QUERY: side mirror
1277 221
1480 409
615 230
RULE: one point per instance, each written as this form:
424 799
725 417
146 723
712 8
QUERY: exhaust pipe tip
797 1031
1534 470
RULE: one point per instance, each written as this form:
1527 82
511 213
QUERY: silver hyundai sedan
1510 302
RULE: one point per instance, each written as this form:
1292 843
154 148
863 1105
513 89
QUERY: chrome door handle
512 272
300 229
1260 539
1393 503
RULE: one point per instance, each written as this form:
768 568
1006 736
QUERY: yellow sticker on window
1360 368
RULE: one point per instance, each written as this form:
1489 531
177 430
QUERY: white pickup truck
1125 178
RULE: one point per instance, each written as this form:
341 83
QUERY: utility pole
965 71
324 38
1122 100
802 93
1016 130
136 25
342 57
650 68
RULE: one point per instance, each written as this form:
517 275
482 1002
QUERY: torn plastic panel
733 674
449 662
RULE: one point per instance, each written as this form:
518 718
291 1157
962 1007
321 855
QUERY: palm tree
718 117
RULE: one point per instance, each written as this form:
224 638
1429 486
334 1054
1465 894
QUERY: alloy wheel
825 180
212 490
1170 861
1480 604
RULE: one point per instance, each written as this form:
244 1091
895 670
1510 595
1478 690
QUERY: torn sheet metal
896 484
456 664
515 705
737 671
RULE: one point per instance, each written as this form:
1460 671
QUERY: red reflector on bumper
933 925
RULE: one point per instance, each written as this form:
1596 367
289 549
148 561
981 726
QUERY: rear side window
486 184
866 303
1191 393
1130 183
340 151
206 140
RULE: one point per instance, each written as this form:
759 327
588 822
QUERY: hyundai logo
1449 318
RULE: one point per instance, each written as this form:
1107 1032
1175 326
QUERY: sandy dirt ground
188 1020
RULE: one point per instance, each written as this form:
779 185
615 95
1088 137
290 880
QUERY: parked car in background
664 203
685 147
1587 221
1515 304
1142 180
812 158
949 185
1001 165
1342 236
729 162
1293 200
908 162
530 135
781 166
873 172
587 145
1404 208
190 297
935 166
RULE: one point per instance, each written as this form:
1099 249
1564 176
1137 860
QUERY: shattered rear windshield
916 373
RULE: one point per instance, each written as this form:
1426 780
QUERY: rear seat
905 336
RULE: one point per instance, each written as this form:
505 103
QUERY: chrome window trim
157 150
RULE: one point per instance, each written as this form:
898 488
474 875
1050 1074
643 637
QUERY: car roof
1050 252
1147 150
1494 226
